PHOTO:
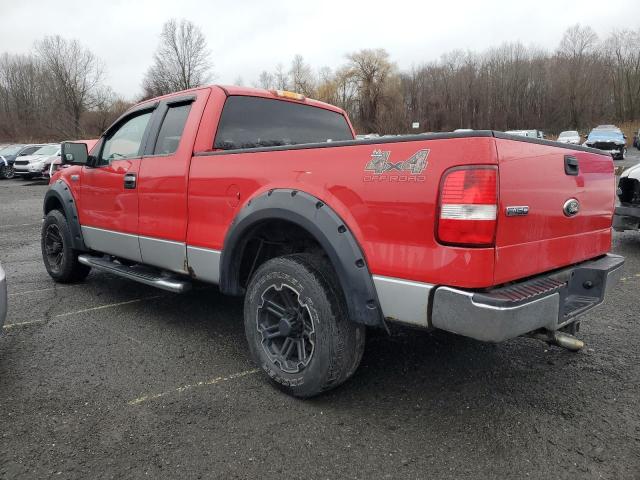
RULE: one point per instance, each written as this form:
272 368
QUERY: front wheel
7 172
60 259
297 325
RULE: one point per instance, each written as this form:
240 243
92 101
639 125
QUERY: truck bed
393 214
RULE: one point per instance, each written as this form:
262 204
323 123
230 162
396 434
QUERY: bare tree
280 78
622 56
75 74
301 75
108 107
22 98
266 81
180 62
372 70
575 60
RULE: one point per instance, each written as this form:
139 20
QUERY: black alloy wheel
297 325
59 257
286 328
54 248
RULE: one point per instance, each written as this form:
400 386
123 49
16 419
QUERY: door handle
571 166
130 181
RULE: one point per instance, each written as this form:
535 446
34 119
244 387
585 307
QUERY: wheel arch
59 197
324 225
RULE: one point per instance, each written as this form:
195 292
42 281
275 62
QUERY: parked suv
608 138
8 156
38 163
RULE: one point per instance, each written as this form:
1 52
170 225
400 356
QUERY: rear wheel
297 325
60 259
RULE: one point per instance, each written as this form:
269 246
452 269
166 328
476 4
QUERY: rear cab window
254 122
171 129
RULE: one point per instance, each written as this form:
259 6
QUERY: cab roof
250 92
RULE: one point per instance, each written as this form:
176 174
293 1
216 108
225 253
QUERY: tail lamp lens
468 206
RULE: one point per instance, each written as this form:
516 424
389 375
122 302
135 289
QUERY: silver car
3 297
569 136
38 162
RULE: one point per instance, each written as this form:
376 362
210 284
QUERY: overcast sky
248 36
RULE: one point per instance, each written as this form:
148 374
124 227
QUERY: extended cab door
164 178
108 203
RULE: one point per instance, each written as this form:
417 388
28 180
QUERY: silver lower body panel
165 254
204 264
403 301
123 245
200 263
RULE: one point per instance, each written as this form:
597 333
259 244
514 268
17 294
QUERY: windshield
10 150
47 150
598 134
570 133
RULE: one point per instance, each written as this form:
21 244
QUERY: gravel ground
111 379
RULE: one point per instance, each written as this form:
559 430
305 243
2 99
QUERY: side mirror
74 153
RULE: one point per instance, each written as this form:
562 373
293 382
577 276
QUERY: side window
125 141
250 122
171 129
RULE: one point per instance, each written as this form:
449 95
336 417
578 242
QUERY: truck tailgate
546 238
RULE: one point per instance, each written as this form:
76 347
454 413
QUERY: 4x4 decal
380 165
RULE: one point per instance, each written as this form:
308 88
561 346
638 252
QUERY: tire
60 259
296 299
7 172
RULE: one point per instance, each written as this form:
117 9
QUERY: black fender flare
322 222
60 194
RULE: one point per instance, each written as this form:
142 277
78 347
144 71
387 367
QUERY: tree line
57 91
583 82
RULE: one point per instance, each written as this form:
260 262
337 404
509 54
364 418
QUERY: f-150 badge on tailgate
380 164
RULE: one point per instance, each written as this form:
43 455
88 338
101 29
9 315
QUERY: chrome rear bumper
550 301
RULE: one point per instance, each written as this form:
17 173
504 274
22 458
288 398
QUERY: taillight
468 206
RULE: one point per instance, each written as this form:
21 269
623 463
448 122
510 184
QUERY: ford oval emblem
571 207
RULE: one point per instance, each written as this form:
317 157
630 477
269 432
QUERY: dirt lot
111 379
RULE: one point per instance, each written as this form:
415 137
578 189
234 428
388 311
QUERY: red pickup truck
268 195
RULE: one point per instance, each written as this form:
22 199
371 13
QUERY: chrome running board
139 274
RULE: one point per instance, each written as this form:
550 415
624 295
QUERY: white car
569 136
527 133
38 162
